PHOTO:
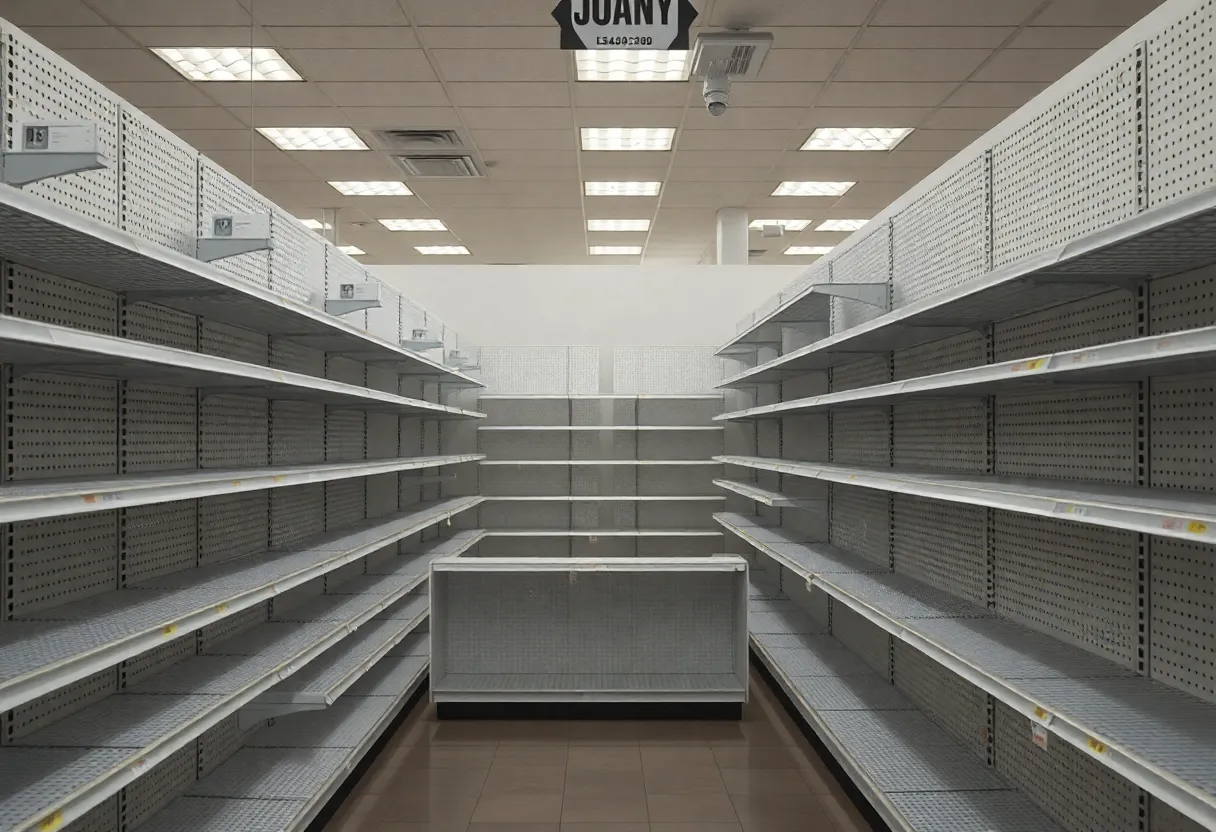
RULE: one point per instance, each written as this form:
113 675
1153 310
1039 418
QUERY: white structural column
732 237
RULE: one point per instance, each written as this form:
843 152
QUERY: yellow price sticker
1036 364
52 821
221 608
236 483
168 630
1195 527
1040 713
1097 746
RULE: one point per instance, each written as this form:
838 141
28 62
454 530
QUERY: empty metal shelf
679 462
812 306
624 498
598 396
771 498
602 533
636 428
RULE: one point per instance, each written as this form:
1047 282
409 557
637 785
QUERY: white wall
589 305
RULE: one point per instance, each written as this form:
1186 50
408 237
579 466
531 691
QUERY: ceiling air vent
757 252
737 55
459 166
418 139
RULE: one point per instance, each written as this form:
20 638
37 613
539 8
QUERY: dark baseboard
591 710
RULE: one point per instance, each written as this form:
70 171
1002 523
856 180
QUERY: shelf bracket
871 294
209 249
24 168
422 346
342 307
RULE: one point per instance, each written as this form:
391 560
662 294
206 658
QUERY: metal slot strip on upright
1135 249
1186 515
770 498
36 500
41 234
1157 737
32 346
81 638
284 778
1176 353
61 771
915 775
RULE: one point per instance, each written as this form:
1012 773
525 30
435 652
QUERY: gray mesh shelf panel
827 658
273 773
153 324
61 425
865 372
328 670
781 622
888 729
160 428
868 261
919 767
345 724
861 693
54 561
555 370
903 598
949 700
205 814
34 777
861 522
211 674
389 677
967 811
290 638
941 544
862 438
124 720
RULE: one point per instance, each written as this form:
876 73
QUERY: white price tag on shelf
1029 366
1178 524
1039 735
1070 508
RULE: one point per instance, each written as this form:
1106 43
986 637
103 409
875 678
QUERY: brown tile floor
758 775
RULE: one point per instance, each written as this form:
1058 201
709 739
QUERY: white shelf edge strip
1156 352
602 533
616 499
1190 517
211 277
581 396
601 428
770 498
698 563
1186 797
46 343
44 678
524 462
37 500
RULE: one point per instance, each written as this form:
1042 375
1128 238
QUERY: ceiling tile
491 140
533 158
885 95
568 199
194 118
401 118
872 196
496 64
161 13
864 117
1064 37
482 13
515 94
692 194
994 95
26 13
512 174
162 94
813 37
488 37
426 188
597 167
345 13
238 94
966 118
112 65
208 140
955 12
762 13
347 165
740 139
752 174
1023 65
633 94
78 37
911 65
773 94
343 37
384 94
517 118
612 207
215 36
934 37
628 117
1091 12
737 119
289 116
799 64
361 64
267 164
937 140
726 158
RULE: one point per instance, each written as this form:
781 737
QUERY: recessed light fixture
856 138
812 188
316 225
617 250
313 138
229 63
618 225
628 138
788 225
353 251
808 250
625 65
371 188
622 188
841 225
438 250
414 225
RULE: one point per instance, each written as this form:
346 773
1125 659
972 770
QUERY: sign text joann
624 24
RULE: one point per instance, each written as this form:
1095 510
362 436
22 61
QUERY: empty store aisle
758 775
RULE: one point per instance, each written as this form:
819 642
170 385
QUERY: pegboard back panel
383 495
1182 432
967 349
157 540
604 515
523 547
865 373
213 635
53 561
947 436
1181 113
384 321
159 183
297 261
220 192
604 481
345 503
941 240
524 481
132 671
297 432
949 700
1182 301
345 370
677 515
60 426
679 481
39 85
296 358
676 547
1183 604
678 444
869 261
1069 786
1165 818
1088 433
551 370
296 514
155 788
1071 170
41 296
677 411
232 525
861 437
345 436
869 641
498 515
603 547
536 445
101 818
382 435
942 544
159 428
161 325
233 432
1075 583
28 717
1070 326
228 341
598 412
221 741
386 380
665 370
861 522
514 412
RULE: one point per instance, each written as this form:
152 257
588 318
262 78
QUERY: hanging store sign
624 24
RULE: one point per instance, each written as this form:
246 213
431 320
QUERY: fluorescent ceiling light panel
788 225
856 138
316 225
414 225
618 225
808 250
628 138
353 251
812 188
626 65
313 138
617 250
371 188
229 63
622 188
440 250
841 225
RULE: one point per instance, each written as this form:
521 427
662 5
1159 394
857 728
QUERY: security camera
716 94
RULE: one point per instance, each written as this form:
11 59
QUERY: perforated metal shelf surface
770 498
620 498
1172 354
584 396
916 775
603 533
56 498
600 428
1159 738
1187 515
528 565
39 233
530 462
1138 248
588 687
